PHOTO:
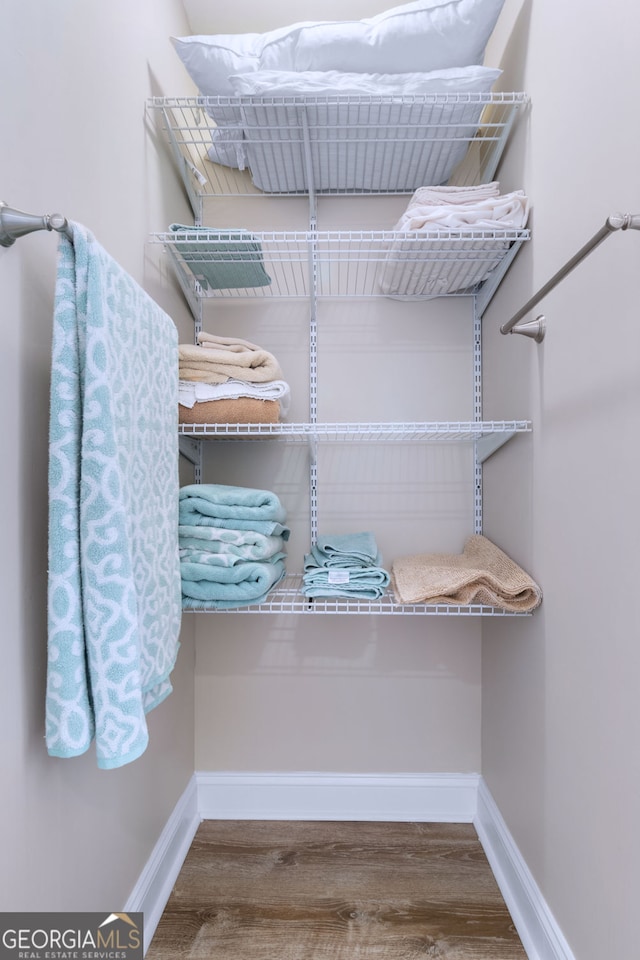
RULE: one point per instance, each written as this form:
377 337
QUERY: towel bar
15 223
536 328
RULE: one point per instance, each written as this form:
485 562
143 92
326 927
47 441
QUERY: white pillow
209 60
415 37
422 36
284 83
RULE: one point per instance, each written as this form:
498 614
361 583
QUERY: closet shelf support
15 223
536 328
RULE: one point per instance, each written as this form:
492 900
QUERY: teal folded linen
227 587
114 598
228 559
267 527
368 582
206 502
247 544
222 259
339 550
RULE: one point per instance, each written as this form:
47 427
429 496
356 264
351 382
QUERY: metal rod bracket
15 223
535 329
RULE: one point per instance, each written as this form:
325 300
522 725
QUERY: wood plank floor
277 890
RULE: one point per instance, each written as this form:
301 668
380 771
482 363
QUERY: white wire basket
335 145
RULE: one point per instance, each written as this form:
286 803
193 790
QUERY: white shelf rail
339 264
287 597
427 431
335 145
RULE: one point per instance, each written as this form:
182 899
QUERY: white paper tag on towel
338 576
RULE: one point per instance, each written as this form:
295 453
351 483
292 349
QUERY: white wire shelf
335 144
287 597
435 431
212 263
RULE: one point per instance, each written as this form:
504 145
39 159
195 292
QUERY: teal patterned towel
114 598
222 259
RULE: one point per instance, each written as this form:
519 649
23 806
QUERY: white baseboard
541 936
154 885
428 798
440 797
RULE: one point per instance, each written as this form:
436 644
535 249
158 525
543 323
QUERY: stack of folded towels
482 574
345 565
232 544
465 261
229 380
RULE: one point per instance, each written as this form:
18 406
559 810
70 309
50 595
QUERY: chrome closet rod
535 328
15 223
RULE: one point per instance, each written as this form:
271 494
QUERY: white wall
76 77
561 714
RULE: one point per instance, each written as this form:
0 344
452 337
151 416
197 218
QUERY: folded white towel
437 196
411 270
191 392
509 210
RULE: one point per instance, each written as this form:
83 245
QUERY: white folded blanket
191 392
437 196
433 212
412 270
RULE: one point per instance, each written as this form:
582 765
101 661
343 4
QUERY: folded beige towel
240 410
216 359
481 574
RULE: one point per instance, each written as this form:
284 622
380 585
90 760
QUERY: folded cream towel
481 574
214 341
217 359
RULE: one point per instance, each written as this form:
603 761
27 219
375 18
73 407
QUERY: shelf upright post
312 249
477 415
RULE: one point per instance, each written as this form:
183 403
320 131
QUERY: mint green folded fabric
364 582
342 550
222 259
227 587
206 503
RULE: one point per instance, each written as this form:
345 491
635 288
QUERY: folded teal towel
357 549
114 603
365 582
222 259
230 546
190 555
270 528
208 502
227 587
